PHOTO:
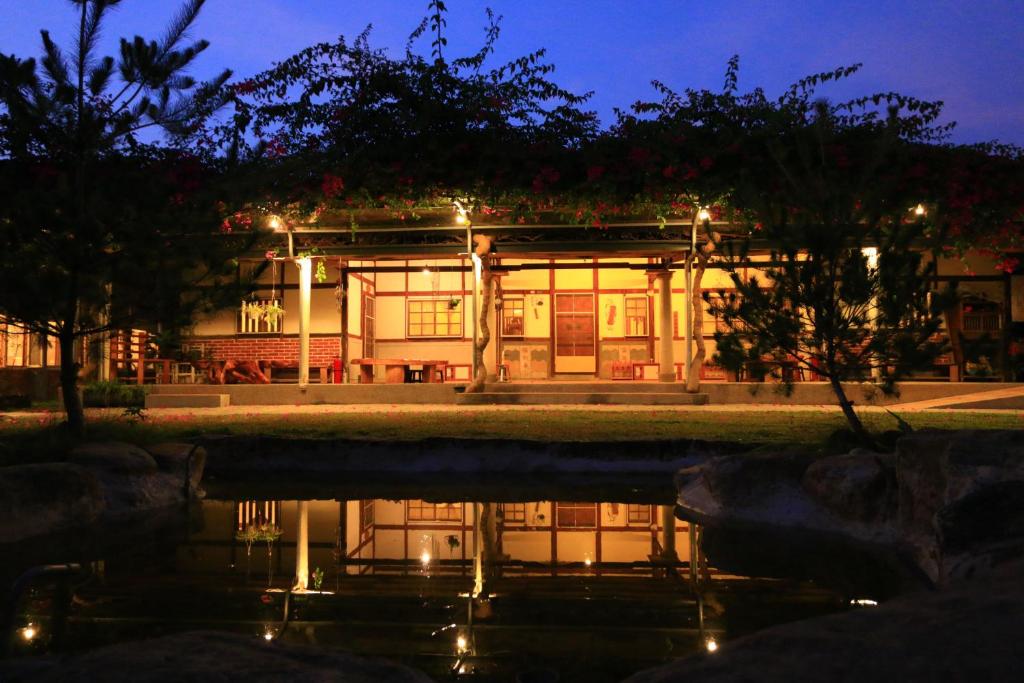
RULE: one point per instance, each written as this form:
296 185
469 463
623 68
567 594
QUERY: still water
591 581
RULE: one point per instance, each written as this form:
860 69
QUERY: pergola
441 233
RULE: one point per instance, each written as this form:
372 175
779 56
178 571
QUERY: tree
849 290
104 223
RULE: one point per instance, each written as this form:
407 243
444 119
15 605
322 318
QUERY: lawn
41 438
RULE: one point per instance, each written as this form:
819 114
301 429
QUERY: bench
396 369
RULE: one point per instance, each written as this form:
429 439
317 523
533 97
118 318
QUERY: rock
859 486
129 477
38 499
114 457
177 458
209 656
741 480
957 495
964 634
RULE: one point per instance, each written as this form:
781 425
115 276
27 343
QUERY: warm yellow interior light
425 557
703 215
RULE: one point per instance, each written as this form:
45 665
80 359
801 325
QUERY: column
305 291
668 367
668 533
302 546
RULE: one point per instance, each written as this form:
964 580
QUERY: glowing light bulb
919 210
461 644
426 272
460 218
268 636
864 602
29 632
711 644
274 223
425 558
586 561
703 215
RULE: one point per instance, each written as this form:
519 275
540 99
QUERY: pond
530 579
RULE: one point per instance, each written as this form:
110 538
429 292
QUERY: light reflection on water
593 590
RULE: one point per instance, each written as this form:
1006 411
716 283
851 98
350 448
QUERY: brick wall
322 350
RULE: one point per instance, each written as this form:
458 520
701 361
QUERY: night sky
967 52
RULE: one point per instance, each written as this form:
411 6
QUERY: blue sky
967 53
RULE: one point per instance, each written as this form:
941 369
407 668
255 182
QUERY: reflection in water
593 590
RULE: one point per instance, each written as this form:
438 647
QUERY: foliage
113 395
102 228
341 126
817 185
317 577
264 532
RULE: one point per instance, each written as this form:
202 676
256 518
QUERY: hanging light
274 223
426 271
703 215
461 644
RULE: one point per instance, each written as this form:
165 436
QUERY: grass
40 437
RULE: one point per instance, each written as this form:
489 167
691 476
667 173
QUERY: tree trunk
485 331
69 383
696 297
851 416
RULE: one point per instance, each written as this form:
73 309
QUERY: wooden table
395 369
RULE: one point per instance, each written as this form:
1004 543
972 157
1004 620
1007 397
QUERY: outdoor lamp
919 210
703 215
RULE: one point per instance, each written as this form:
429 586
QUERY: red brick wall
322 350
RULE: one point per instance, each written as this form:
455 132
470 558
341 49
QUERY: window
513 513
422 511
365 515
512 317
636 316
576 515
638 514
434 318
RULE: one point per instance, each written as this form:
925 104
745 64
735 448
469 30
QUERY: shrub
113 395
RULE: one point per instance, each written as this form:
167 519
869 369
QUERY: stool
503 372
414 376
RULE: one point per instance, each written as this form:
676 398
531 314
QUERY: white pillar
473 261
305 291
871 255
667 361
302 546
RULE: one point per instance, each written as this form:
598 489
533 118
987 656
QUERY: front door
574 333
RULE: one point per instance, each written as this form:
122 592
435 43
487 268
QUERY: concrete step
581 398
623 387
165 400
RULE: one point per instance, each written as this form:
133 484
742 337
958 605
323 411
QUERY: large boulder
38 499
859 486
744 479
960 498
130 478
209 656
964 634
180 459
114 457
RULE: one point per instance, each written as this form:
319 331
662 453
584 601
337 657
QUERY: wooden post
668 539
344 325
667 369
305 292
476 285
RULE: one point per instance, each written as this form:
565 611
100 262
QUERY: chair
414 376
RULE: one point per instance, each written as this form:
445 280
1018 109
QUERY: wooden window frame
638 514
641 299
429 512
513 304
434 311
563 510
